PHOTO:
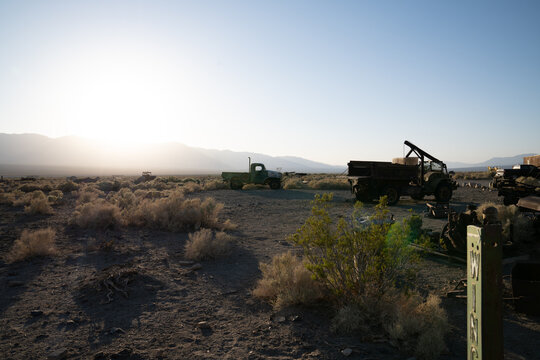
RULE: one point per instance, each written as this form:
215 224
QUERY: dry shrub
107 186
254 187
97 215
192 187
7 199
531 181
27 188
419 326
33 243
148 194
414 325
285 281
524 229
507 216
206 244
349 319
215 185
39 205
89 194
293 183
55 197
22 198
67 187
176 213
330 183
124 198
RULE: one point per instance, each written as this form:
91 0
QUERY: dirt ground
59 307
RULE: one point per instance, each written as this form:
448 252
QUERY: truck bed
382 170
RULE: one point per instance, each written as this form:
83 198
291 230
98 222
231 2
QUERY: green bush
356 256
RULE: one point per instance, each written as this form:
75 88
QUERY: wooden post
484 293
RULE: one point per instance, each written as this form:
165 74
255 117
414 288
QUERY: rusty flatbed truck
257 175
414 176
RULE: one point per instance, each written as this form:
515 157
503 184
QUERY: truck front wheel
443 193
361 195
392 195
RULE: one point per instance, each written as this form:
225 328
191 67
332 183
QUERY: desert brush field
186 268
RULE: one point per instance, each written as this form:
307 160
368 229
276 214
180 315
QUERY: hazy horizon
324 81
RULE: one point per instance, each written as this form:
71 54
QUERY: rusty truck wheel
443 193
392 195
236 184
360 194
275 184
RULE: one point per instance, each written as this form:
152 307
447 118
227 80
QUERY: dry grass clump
67 186
31 187
419 326
39 205
192 187
207 244
124 198
22 198
33 243
148 194
89 194
291 183
98 214
316 182
285 281
412 324
176 213
55 197
7 198
215 185
107 186
330 183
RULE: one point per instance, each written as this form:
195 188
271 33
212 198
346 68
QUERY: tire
275 184
236 184
361 195
392 195
443 193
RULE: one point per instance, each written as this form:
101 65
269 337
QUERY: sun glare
124 98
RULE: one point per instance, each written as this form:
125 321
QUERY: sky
329 81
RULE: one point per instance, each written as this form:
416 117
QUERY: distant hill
504 162
30 154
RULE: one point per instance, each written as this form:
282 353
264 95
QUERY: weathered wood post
484 293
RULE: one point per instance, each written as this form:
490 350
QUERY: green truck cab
257 175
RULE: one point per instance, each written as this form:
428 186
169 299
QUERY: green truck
257 175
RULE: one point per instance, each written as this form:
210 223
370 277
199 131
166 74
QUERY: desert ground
166 307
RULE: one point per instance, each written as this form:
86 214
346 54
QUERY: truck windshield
432 166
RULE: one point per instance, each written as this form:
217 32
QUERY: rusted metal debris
437 210
526 287
454 233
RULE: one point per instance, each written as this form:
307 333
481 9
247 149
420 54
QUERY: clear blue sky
329 81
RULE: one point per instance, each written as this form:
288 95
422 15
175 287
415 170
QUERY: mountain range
31 154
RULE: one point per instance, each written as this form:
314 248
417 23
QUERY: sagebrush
33 243
285 281
207 244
